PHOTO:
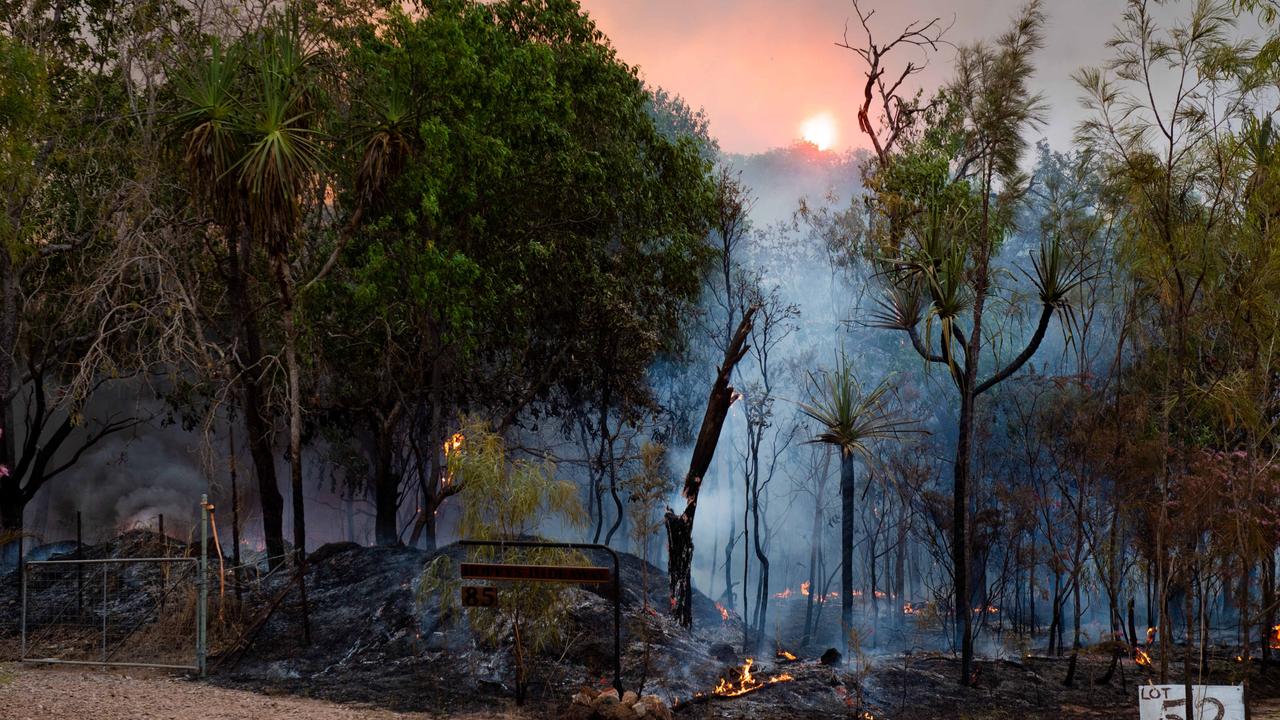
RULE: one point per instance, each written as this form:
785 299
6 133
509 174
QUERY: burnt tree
680 527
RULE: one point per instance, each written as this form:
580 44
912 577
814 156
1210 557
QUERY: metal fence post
203 597
104 615
25 569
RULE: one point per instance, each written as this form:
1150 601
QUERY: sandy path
64 693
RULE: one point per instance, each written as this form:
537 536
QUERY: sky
761 68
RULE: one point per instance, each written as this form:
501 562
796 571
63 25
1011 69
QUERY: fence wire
119 611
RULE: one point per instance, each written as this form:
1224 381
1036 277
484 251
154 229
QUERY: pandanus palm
252 151
852 421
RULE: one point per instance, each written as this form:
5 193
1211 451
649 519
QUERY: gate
131 612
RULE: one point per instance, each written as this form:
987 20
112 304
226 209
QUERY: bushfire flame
804 588
784 655
454 443
746 682
1274 640
724 612
783 595
1142 658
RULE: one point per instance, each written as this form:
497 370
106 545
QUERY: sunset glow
820 130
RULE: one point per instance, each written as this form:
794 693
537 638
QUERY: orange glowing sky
760 68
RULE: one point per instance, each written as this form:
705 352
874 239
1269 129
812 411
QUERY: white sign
1211 702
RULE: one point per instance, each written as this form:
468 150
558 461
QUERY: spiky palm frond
282 156
207 120
385 144
282 151
852 419
901 307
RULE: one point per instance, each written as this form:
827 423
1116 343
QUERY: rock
831 657
654 707
630 697
617 711
605 699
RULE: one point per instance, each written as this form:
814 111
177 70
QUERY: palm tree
853 421
251 149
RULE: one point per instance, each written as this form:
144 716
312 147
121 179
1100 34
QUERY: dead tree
898 112
680 527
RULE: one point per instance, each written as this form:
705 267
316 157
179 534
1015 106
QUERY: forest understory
376 642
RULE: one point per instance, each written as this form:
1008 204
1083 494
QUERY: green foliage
852 419
23 96
524 215
505 499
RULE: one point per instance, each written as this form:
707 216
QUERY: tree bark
847 492
680 527
257 423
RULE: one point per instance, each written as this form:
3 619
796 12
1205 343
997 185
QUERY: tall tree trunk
960 537
1269 603
257 421
847 492
680 527
386 493
285 280
12 506
762 597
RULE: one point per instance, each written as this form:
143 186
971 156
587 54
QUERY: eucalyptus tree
963 182
536 242
852 421
1171 163
68 150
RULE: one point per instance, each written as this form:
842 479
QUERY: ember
746 682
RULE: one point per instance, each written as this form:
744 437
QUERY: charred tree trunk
386 494
680 527
847 492
258 423
12 506
1268 602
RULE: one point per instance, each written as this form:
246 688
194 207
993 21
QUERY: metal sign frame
616 581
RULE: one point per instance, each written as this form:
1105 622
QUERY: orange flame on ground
784 655
909 609
804 588
1142 658
746 682
1151 635
724 612
1274 641
783 595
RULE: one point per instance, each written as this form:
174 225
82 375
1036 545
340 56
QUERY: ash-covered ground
374 641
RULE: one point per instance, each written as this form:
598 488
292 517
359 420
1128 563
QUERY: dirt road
64 693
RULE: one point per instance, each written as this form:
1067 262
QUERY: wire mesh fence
115 611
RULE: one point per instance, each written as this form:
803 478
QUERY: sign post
1211 702
548 573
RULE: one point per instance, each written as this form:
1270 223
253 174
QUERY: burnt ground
374 643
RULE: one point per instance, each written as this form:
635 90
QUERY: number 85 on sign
479 596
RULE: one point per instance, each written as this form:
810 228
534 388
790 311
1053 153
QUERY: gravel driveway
29 692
